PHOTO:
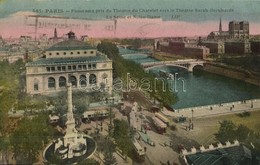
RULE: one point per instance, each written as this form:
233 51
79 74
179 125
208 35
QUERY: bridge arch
160 65
198 66
188 65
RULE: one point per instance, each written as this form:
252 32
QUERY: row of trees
9 89
123 67
30 138
229 131
23 138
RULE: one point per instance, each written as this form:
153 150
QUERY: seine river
200 88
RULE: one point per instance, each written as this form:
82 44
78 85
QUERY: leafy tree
122 136
29 138
227 131
122 67
109 149
243 133
9 88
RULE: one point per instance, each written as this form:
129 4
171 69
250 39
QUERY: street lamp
192 111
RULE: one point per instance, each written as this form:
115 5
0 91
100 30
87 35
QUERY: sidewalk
215 110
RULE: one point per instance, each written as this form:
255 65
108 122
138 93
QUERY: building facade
237 47
71 60
236 30
217 47
185 49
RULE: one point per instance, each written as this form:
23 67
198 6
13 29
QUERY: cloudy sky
173 17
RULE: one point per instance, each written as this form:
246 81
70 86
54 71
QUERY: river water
199 88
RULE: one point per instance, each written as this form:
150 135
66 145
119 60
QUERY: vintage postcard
146 82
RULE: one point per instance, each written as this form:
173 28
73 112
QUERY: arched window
83 81
62 82
73 81
51 82
92 79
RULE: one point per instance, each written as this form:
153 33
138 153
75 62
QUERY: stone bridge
188 64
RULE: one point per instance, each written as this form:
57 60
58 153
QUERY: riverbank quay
232 72
215 110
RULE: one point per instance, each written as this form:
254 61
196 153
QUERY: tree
109 149
29 138
122 136
227 131
123 67
243 133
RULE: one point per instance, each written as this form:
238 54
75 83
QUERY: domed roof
71 44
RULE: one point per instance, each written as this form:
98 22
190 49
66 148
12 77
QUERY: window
63 68
52 68
64 53
69 67
91 52
73 81
71 52
50 54
78 52
57 53
89 66
80 67
92 79
51 82
85 52
84 66
35 87
94 66
83 81
74 67
62 81
48 69
59 68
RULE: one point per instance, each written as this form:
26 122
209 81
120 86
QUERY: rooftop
55 61
231 155
71 44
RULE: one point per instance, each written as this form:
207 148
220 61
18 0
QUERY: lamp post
192 111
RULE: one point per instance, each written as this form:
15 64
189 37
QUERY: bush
244 114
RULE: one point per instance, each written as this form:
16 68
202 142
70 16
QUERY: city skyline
134 18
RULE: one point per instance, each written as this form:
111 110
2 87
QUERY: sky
96 18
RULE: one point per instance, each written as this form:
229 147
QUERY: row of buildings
234 41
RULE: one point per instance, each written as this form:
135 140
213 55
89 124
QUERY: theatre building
70 60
